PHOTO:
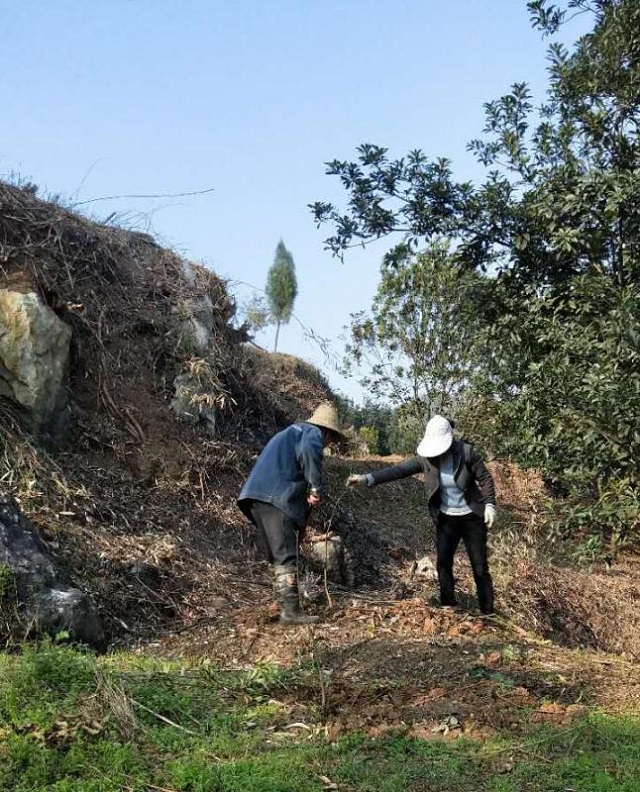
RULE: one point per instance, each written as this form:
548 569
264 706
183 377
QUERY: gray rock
195 322
70 610
195 315
34 360
192 403
189 272
330 552
426 568
201 322
47 602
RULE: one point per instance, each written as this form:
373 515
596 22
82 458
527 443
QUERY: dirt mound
279 389
125 298
136 503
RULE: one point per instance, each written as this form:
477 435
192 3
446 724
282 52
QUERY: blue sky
114 97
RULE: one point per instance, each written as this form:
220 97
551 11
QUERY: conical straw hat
326 416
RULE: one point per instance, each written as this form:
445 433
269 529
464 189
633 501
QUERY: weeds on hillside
71 721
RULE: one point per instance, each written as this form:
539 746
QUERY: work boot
286 591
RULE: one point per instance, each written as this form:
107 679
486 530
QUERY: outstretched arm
407 468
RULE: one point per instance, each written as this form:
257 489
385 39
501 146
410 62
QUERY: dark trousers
277 534
473 532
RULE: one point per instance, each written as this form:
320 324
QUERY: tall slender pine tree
282 288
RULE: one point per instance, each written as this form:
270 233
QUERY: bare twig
152 195
162 718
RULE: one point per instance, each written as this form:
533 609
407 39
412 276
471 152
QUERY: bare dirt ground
387 657
408 665
382 664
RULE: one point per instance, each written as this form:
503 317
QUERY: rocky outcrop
199 323
45 601
196 314
193 404
34 360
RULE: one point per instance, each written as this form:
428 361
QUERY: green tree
373 422
568 403
282 289
419 343
256 314
563 186
556 224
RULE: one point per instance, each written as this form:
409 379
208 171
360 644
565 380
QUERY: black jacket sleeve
483 478
409 467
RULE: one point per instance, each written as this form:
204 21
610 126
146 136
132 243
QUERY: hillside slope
140 506
135 502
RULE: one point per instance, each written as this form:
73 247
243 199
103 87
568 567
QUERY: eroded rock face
196 315
45 599
34 360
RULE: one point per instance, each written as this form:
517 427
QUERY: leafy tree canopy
563 185
556 226
421 338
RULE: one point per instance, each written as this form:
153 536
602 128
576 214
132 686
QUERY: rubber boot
286 591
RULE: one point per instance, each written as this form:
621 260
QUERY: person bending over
285 483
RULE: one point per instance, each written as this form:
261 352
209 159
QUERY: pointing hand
357 480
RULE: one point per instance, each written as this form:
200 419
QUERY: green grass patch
73 722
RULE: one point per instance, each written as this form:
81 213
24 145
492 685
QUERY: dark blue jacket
290 464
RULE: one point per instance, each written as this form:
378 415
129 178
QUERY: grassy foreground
72 721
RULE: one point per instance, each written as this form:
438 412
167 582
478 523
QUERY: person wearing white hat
284 484
460 499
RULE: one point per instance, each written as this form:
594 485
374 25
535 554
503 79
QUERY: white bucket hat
437 438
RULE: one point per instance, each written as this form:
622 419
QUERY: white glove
360 480
490 514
